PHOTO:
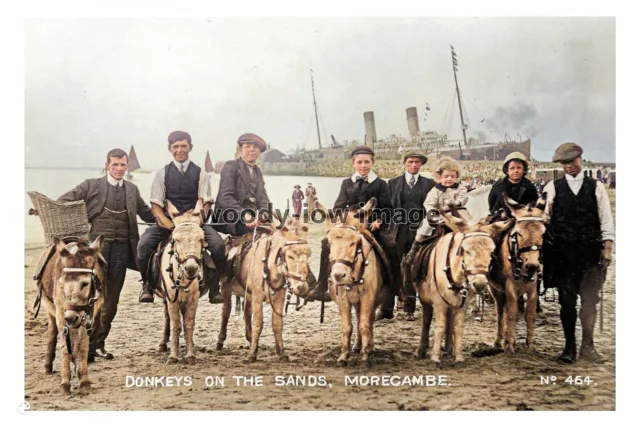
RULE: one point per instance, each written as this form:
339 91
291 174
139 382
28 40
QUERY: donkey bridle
515 250
176 282
86 309
355 281
451 285
280 258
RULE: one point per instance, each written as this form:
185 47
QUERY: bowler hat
566 152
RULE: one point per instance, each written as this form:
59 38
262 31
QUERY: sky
101 83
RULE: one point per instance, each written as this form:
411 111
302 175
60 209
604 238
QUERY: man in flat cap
356 191
578 248
408 192
242 189
112 206
182 183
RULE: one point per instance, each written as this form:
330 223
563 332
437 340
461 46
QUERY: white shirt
158 191
407 177
370 177
116 183
604 206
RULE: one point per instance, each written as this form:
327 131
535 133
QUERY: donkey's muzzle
72 318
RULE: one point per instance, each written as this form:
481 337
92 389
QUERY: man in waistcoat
408 192
577 249
183 183
242 190
112 207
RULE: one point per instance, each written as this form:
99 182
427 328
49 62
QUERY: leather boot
214 287
146 293
568 316
319 290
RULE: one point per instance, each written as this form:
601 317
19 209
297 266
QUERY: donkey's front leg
65 362
256 324
189 320
500 299
277 314
357 346
247 318
530 314
224 322
512 317
345 317
427 315
365 329
81 360
167 329
174 316
441 319
52 340
458 329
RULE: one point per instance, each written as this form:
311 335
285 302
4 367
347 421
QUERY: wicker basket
60 219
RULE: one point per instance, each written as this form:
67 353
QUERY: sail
208 166
133 160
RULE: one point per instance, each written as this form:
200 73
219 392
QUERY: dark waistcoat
182 189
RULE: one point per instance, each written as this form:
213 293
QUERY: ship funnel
370 128
412 121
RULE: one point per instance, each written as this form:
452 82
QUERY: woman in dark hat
297 198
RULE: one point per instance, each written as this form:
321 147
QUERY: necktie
412 181
362 178
182 168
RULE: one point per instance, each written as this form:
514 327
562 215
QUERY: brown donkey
459 263
181 279
355 278
276 266
71 291
518 271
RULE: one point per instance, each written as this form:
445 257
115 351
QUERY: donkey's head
293 257
187 239
359 216
525 239
476 249
81 277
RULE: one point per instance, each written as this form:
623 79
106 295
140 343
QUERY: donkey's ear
455 223
172 210
61 247
500 227
97 244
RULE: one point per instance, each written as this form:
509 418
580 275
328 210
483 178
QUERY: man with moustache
408 192
242 190
578 248
183 183
357 190
112 207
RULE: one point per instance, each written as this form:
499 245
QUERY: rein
451 284
87 309
515 250
355 281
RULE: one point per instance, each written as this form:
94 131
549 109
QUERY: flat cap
420 156
250 138
567 151
362 149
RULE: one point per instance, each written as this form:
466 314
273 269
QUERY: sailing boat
208 166
133 164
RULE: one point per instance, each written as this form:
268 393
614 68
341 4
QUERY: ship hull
492 152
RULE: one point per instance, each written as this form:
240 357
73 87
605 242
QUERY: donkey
181 280
276 266
518 271
355 278
71 291
459 260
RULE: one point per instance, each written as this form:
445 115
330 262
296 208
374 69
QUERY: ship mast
315 109
455 76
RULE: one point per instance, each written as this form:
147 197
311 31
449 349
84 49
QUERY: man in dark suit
112 207
408 192
355 191
242 201
183 183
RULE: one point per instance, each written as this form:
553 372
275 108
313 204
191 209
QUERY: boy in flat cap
408 193
514 183
356 191
242 188
577 249
183 183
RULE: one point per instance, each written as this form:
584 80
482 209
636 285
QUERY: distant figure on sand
297 198
310 193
